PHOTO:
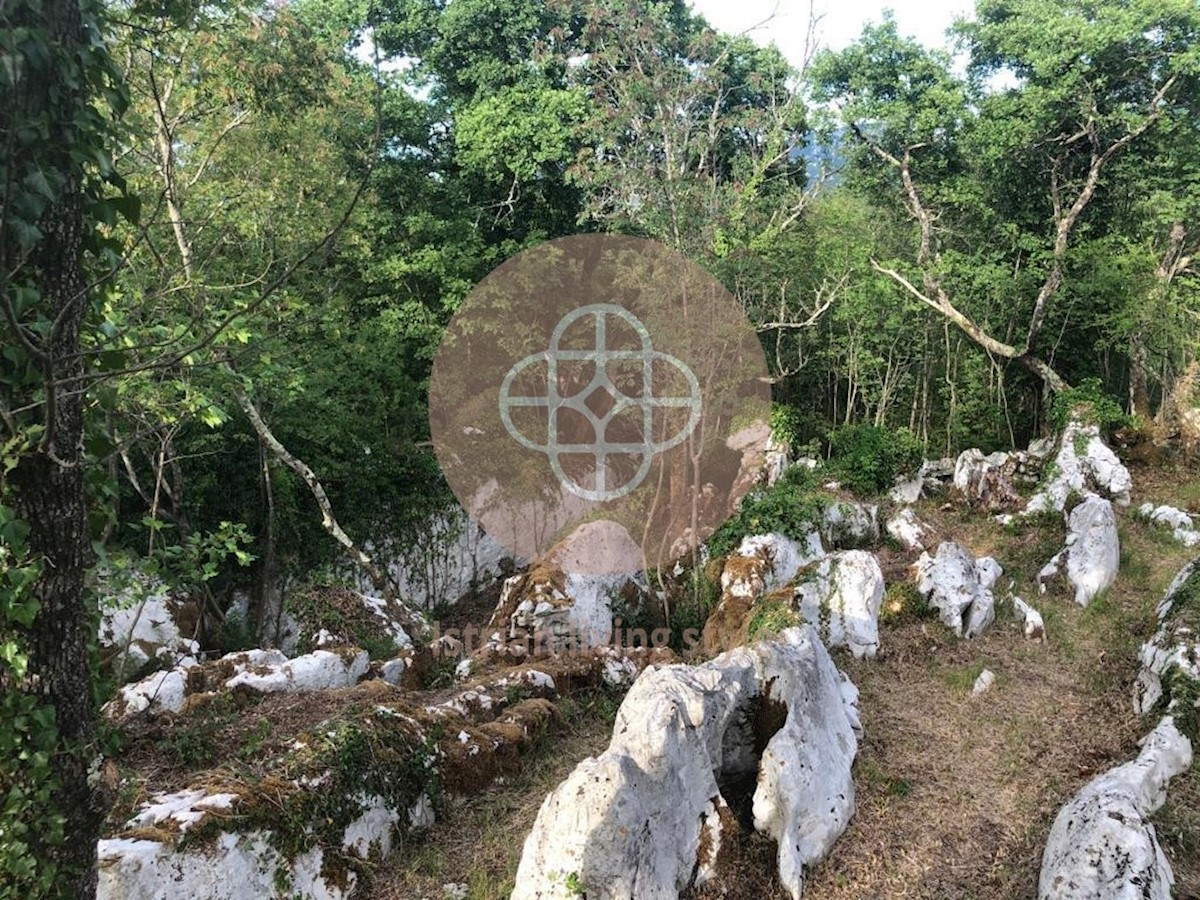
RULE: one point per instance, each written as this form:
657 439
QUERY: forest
233 234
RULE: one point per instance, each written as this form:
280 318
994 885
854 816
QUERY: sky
842 22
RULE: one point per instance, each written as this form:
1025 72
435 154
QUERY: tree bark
48 483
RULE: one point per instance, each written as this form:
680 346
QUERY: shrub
868 458
792 507
1091 405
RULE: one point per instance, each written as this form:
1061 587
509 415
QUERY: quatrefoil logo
599 404
643 401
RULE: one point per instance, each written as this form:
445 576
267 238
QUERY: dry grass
479 842
956 794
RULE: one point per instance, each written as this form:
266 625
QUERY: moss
771 617
341 612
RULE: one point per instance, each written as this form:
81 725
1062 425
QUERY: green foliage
869 458
903 602
786 424
27 737
792 507
1090 404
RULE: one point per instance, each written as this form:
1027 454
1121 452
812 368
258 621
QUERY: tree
53 212
1092 80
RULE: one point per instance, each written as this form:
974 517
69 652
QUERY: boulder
138 611
649 817
1102 845
1183 527
1170 661
1084 464
909 531
987 481
547 610
850 525
766 562
959 587
842 595
1092 555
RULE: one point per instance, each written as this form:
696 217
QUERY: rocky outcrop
1102 846
259 671
1170 661
1084 464
841 595
959 587
653 815
766 562
987 481
1092 556
1183 527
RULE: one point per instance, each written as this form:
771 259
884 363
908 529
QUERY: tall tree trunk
48 482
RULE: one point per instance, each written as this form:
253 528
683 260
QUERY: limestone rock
1171 658
766 562
647 818
909 531
261 671
1092 555
987 480
548 610
849 525
842 595
1034 626
959 587
1084 464
138 610
1183 527
1102 846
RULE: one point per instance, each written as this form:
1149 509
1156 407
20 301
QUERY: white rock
908 490
983 683
230 867
959 587
841 595
233 866
1102 846
393 670
1093 553
1035 628
314 671
1175 647
633 821
909 531
805 794
440 561
159 692
985 479
848 525
783 557
1084 463
140 605
1182 526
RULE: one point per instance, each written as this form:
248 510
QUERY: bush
868 458
1091 405
792 507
